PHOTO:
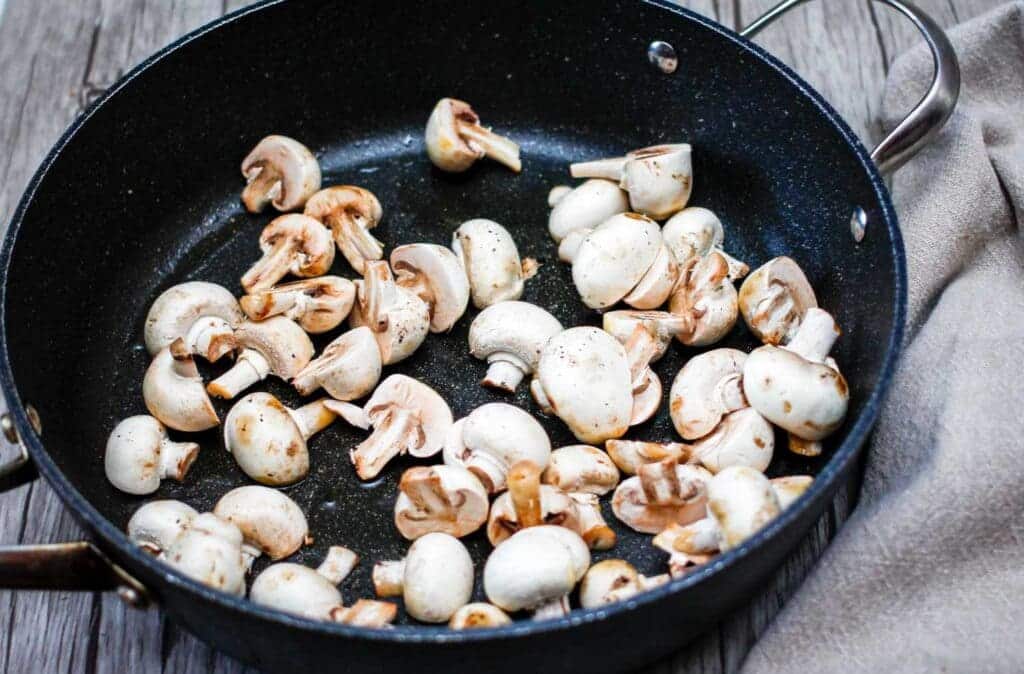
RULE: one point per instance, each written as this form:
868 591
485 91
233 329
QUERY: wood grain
58 55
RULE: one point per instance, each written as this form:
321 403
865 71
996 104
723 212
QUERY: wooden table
57 55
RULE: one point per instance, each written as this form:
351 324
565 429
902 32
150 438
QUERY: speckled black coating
143 193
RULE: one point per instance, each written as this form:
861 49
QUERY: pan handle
931 112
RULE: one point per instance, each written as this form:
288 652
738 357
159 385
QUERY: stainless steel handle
931 112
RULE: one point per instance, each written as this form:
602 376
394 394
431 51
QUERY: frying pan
142 193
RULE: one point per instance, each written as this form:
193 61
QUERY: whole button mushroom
706 298
662 326
614 580
290 243
583 377
585 207
210 551
275 346
139 455
510 336
629 455
455 139
581 468
435 275
279 171
434 580
774 299
173 390
478 615
492 438
407 417
155 525
317 305
443 498
204 315
350 212
398 318
349 367
536 569
614 257
741 500
696 232
491 260
658 179
660 494
271 523
268 440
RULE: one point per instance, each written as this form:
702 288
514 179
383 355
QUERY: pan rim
98 525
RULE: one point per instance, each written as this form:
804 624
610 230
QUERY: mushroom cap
316 304
296 589
174 393
453 502
693 232
139 454
581 468
629 455
489 255
512 328
210 551
662 326
774 299
789 488
585 377
298 168
438 577
156 524
535 566
705 390
608 581
706 296
267 518
285 345
635 505
478 615
434 415
741 501
266 441
506 434
445 145
743 438
348 368
179 307
657 282
441 272
614 257
586 207
659 179
348 200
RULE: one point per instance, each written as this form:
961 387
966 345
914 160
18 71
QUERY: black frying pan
142 193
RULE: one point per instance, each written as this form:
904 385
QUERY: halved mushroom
695 232
662 326
656 284
455 139
279 171
407 417
689 546
774 299
581 468
614 258
528 503
660 494
591 525
293 243
174 393
708 387
155 525
629 455
209 550
641 348
436 276
510 336
204 315
275 346
491 260
139 455
706 297
478 615
583 377
398 318
349 367
614 580
317 304
585 207
271 523
435 579
268 440
658 179
741 500
449 499
350 212
788 489
743 438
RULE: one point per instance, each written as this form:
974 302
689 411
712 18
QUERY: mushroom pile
493 472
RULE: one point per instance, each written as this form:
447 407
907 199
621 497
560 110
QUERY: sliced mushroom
436 276
279 171
349 367
491 260
455 139
209 550
629 455
528 503
155 525
367 613
662 326
708 387
398 318
139 455
660 494
407 417
656 284
204 315
276 346
581 468
774 299
695 232
641 349
788 489
293 243
614 258
741 500
443 498
743 438
510 336
271 523
614 580
435 579
174 393
350 212
478 615
706 297
268 440
591 524
318 304
658 179
585 207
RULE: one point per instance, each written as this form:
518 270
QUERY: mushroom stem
251 367
353 415
498 148
737 268
524 489
389 578
729 391
366 613
696 538
540 397
272 267
379 291
592 526
397 432
640 350
662 486
338 564
555 608
489 469
313 418
609 169
804 447
212 337
354 240
423 487
263 186
815 336
176 458
570 244
504 372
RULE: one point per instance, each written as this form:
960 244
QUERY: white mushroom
510 336
398 318
741 500
590 522
658 179
492 438
348 368
436 276
478 615
268 440
204 315
641 349
581 468
706 297
614 258
173 390
434 580
788 489
350 212
774 299
614 580
293 243
455 139
139 455
407 417
629 455
210 551
583 377
271 523
276 346
585 207
279 171
662 326
317 304
695 232
491 260
528 503
743 438
155 525
449 499
706 389
656 284
660 494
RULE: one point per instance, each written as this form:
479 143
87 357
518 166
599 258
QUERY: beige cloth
928 574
